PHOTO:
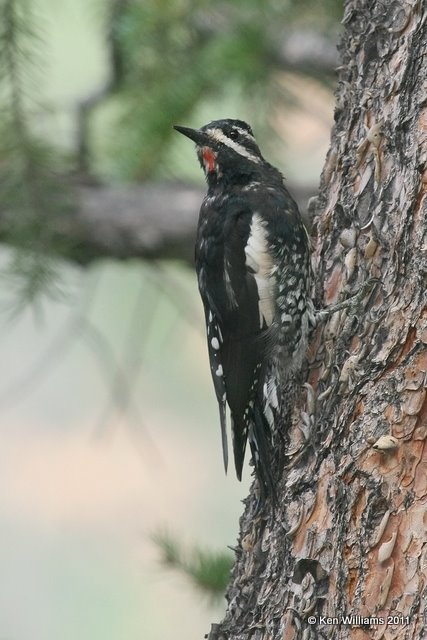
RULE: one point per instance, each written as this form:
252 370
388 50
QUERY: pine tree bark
349 536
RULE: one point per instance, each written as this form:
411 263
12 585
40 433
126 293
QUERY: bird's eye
233 135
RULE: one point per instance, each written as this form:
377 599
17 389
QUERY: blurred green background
108 424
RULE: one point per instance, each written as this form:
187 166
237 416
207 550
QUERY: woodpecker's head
225 147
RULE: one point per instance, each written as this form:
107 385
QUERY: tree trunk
349 535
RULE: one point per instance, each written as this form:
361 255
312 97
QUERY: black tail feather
239 432
260 439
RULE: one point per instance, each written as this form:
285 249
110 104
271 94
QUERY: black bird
253 267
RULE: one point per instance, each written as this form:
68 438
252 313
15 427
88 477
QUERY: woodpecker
253 269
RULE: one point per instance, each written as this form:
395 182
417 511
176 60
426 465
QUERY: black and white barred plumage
253 266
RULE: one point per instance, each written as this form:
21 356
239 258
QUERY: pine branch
29 198
208 571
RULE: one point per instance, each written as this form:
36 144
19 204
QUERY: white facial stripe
245 133
219 136
259 260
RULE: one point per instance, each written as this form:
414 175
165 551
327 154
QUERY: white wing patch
259 260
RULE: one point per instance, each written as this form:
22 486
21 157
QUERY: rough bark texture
349 536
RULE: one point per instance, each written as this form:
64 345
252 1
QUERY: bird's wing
249 288
238 295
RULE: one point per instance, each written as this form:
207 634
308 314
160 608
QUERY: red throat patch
209 159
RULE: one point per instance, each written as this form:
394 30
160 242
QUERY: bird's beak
197 136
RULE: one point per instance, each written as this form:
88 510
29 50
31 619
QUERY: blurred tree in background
169 62
125 185
170 59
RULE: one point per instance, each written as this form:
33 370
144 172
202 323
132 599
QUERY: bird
253 268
